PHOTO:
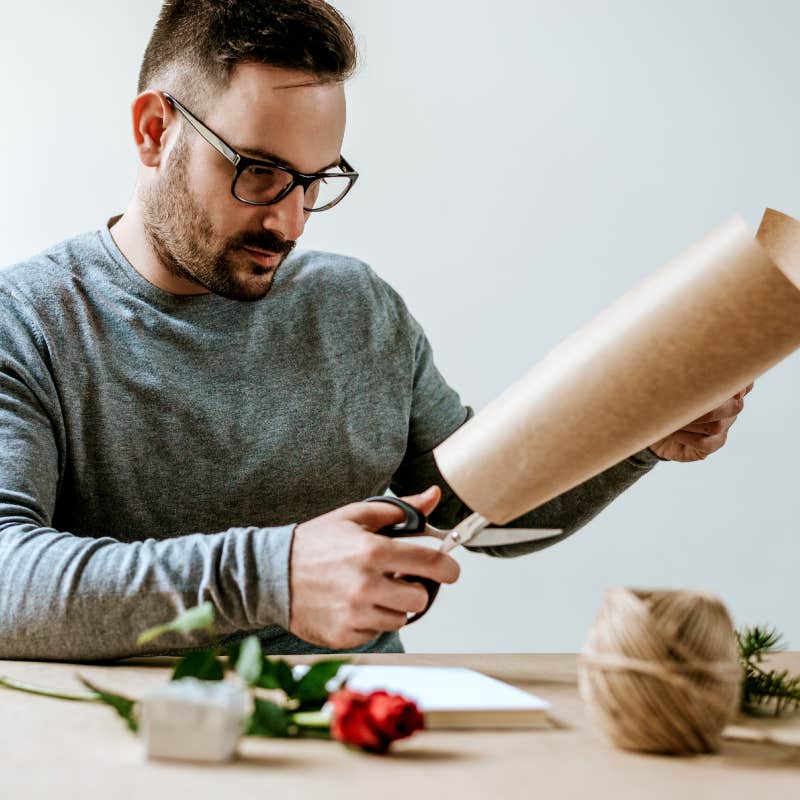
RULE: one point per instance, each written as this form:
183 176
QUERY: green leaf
201 616
268 719
277 674
232 652
311 688
250 660
202 664
124 706
284 676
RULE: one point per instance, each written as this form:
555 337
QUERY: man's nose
287 215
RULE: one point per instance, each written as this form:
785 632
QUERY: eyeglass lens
258 183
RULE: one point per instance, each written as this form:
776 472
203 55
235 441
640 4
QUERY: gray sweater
156 451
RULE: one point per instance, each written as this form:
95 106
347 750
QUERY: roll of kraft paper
685 340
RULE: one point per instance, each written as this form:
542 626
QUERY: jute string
659 672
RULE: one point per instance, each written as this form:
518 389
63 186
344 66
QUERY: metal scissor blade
474 530
495 537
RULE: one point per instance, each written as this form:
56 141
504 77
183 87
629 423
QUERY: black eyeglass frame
241 163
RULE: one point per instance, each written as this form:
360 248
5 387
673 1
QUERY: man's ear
155 124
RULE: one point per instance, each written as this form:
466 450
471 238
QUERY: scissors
472 530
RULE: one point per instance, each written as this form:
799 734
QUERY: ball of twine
660 672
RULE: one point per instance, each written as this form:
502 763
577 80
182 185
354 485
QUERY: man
182 403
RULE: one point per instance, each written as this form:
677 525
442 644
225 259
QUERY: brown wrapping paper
686 339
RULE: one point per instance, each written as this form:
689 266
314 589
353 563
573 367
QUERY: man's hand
705 435
343 585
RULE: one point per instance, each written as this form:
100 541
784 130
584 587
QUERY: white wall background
523 163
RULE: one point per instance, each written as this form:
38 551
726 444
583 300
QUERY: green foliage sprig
298 713
762 687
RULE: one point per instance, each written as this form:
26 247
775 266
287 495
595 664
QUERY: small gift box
194 720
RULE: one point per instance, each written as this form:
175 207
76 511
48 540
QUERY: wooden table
59 749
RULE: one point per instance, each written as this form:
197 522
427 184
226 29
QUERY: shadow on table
407 754
418 754
259 761
754 755
763 741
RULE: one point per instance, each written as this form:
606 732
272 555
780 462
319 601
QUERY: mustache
264 240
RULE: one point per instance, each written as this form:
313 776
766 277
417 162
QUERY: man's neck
129 234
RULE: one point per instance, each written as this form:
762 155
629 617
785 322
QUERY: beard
182 235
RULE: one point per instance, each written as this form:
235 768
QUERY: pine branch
762 687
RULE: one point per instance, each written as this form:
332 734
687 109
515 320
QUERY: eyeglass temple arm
219 144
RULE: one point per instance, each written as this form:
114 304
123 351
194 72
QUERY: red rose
394 716
373 721
351 722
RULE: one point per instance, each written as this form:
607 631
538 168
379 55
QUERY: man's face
198 229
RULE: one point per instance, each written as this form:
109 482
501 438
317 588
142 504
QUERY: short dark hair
196 44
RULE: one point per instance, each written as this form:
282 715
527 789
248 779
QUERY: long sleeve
64 596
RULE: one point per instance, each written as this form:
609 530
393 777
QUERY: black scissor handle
413 524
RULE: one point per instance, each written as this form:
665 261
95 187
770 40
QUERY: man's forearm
76 598
569 511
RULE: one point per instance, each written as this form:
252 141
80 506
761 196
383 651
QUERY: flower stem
10 683
311 719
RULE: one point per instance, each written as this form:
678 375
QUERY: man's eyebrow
265 155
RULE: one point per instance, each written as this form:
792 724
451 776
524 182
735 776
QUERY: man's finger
406 558
703 445
365 635
400 595
730 408
384 619
710 428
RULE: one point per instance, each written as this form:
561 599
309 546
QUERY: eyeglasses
262 183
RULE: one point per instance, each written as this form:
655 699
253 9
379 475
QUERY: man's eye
261 172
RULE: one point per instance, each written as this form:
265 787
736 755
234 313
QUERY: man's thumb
374 516
426 501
